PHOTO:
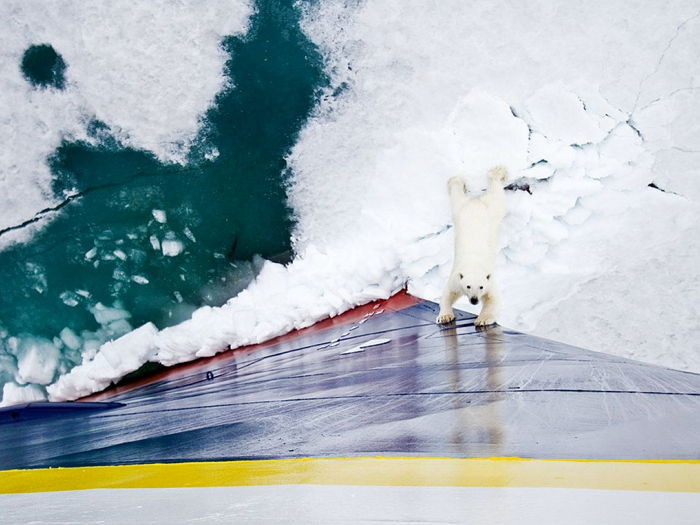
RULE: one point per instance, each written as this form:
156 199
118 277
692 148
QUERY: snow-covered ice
126 63
605 91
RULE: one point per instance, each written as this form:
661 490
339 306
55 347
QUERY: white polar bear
476 221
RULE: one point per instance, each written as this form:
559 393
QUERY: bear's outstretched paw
485 320
499 173
445 318
457 183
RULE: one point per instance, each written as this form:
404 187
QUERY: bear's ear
488 277
460 276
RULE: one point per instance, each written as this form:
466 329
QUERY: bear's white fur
476 221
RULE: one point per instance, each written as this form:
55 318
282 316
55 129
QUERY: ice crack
41 214
662 57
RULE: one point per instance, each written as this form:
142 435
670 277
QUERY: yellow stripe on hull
647 475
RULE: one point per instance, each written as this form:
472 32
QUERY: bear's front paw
485 320
457 183
445 318
499 173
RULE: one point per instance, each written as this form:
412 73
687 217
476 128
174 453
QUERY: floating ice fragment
188 233
119 275
105 314
178 296
69 298
117 328
70 338
139 279
36 275
90 254
172 247
120 254
155 243
212 154
159 215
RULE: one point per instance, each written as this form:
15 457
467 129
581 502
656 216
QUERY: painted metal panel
428 391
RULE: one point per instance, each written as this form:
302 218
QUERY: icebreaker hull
378 397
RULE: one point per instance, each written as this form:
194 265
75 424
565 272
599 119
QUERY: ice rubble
586 105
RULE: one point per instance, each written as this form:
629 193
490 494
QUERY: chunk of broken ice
159 215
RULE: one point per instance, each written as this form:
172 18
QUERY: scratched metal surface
427 391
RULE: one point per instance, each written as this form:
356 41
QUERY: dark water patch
160 240
42 66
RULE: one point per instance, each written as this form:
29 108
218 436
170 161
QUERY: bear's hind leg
494 198
457 190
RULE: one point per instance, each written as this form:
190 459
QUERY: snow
114 359
559 115
13 394
585 104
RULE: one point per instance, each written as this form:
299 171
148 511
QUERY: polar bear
476 221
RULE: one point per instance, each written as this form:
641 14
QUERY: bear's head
474 284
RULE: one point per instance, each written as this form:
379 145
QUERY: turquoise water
106 244
42 66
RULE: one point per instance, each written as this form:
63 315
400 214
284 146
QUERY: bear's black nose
474 300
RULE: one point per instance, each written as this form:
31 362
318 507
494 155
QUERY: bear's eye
481 287
469 287
488 277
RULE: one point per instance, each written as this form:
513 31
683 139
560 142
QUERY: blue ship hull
379 396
